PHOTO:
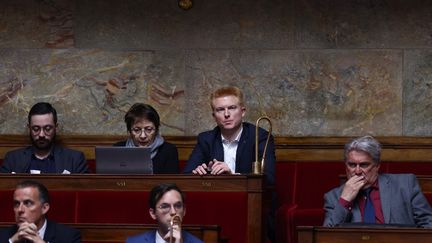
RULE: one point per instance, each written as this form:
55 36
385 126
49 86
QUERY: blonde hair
227 91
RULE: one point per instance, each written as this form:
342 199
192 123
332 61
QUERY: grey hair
367 144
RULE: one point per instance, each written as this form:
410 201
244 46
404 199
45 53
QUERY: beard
43 143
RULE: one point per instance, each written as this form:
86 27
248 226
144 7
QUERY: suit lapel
49 232
218 148
58 162
385 197
241 147
356 214
152 237
27 154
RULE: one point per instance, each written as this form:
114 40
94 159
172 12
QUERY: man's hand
219 167
27 231
214 167
177 237
352 187
201 169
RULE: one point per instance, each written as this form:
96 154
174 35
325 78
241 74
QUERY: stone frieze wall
316 68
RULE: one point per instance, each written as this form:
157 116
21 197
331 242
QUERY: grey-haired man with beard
43 156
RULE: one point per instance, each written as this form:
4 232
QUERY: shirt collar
375 185
236 139
159 238
42 230
50 156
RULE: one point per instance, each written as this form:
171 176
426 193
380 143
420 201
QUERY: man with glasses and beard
43 156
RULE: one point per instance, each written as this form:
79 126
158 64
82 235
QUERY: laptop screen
123 160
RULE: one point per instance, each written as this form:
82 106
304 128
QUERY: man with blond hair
230 147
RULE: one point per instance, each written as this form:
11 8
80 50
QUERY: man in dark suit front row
31 204
373 198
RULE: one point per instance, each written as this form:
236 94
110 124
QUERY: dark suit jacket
150 237
18 161
166 159
209 146
401 198
54 233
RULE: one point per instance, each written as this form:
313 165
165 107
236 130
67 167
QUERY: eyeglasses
146 130
47 129
166 208
230 108
362 165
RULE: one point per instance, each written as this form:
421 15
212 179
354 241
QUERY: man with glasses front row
372 198
43 156
167 207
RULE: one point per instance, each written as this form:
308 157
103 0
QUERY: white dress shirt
230 150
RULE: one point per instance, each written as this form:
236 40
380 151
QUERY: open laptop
123 160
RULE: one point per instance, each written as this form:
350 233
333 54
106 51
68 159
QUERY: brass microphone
258 166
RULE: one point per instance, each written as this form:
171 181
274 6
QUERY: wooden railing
317 234
287 148
115 233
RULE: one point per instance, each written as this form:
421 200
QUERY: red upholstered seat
112 207
6 206
417 168
62 206
305 207
285 182
222 208
132 207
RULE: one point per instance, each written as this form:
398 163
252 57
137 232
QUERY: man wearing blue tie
167 207
373 198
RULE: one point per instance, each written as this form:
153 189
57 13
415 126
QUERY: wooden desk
110 233
318 234
250 184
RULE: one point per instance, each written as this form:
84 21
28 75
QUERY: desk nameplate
99 182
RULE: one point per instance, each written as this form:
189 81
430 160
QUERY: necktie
369 210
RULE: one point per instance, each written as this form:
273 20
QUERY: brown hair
140 111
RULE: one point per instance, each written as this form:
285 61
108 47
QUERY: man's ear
45 208
152 213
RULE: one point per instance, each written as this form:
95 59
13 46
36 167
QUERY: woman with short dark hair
142 123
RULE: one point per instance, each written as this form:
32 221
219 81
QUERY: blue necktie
369 210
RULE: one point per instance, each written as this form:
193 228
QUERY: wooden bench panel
116 233
311 234
207 201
